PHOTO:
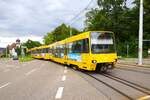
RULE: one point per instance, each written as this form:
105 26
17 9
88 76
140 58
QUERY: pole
127 50
140 50
70 31
6 52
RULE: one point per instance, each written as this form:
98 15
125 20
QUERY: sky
32 19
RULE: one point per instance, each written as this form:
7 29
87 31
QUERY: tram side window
62 51
49 50
39 51
45 50
53 51
85 47
59 51
80 46
34 52
77 47
42 51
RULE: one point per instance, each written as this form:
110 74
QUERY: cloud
130 3
23 18
4 41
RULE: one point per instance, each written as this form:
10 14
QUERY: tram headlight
94 61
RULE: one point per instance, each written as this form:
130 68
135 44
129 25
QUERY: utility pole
127 50
70 29
140 48
6 51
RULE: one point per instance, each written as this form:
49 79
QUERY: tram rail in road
143 90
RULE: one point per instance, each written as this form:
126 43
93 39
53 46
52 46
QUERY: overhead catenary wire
78 14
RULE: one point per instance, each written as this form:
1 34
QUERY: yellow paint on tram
92 50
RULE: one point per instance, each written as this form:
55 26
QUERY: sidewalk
134 62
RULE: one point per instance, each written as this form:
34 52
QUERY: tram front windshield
102 42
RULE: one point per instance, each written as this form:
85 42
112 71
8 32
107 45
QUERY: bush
26 58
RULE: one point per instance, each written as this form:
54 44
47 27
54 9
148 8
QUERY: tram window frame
77 46
65 49
58 51
49 51
83 49
45 50
53 51
62 48
42 51
39 51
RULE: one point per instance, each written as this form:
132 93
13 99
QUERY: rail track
134 65
130 84
134 86
133 70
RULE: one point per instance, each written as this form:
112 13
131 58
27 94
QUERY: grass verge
25 59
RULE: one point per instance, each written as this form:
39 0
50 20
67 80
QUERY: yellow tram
92 50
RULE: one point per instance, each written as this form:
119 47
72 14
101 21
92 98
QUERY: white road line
65 67
65 71
5 85
59 93
28 73
63 78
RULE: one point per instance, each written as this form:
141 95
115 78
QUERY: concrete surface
134 62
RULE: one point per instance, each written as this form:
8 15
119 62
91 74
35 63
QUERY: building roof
13 45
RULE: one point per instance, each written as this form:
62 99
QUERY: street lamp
140 49
70 30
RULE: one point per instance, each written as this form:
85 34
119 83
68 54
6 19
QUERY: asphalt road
43 80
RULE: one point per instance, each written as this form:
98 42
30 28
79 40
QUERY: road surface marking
59 93
33 70
65 67
63 78
144 98
65 71
5 85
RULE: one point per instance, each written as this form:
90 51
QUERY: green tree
31 44
114 15
48 38
107 16
59 33
146 19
